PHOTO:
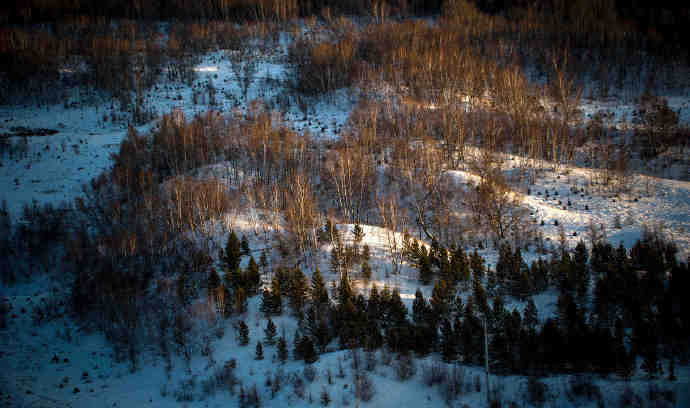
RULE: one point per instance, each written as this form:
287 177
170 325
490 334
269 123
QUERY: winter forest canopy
344 203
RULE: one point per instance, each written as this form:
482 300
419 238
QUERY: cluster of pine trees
635 310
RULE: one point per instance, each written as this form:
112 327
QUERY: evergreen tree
298 291
267 304
440 299
477 266
317 327
259 351
307 350
282 349
420 308
448 341
344 293
530 319
374 304
243 333
253 276
582 275
425 272
270 332
397 309
244 246
233 252
319 292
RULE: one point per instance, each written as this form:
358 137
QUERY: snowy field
54 168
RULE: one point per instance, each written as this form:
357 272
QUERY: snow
55 167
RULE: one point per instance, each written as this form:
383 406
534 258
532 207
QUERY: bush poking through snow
223 377
309 373
325 398
364 387
298 386
404 367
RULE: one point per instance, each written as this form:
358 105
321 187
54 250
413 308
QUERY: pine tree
582 275
440 298
425 273
259 351
420 308
374 304
298 291
253 276
213 281
448 341
267 307
530 319
233 252
270 332
477 265
307 350
243 333
319 292
282 349
244 246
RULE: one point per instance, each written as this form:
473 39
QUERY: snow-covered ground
55 168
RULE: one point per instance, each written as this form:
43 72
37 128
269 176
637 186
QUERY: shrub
298 386
309 373
364 387
404 367
325 398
